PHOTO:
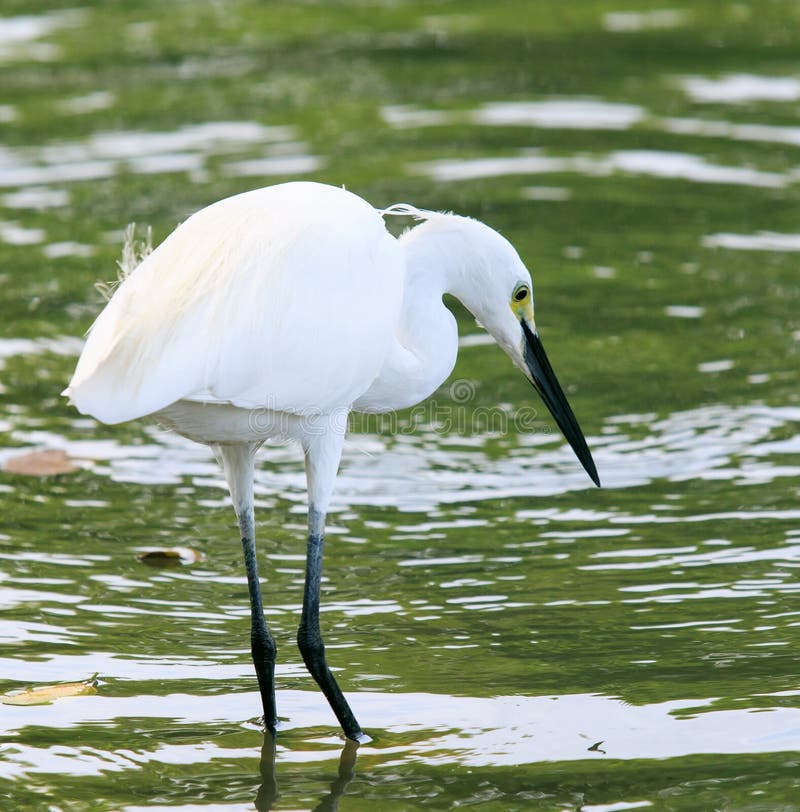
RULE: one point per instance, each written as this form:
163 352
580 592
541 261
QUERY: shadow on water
268 793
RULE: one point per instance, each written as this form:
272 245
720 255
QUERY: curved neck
436 257
426 342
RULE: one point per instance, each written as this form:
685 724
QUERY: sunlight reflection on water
186 149
654 163
740 88
502 730
20 37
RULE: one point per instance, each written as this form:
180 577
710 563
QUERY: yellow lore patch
522 303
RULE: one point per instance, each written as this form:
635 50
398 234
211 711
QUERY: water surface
510 637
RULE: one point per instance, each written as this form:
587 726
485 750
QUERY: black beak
546 383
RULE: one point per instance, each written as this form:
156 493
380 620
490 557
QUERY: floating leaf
171 555
41 463
45 694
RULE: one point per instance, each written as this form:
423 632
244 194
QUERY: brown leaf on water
41 463
171 555
45 694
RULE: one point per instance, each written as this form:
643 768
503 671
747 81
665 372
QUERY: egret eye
521 293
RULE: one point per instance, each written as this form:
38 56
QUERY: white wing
285 298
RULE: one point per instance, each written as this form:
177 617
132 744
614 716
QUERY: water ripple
186 149
653 163
739 88
503 730
421 471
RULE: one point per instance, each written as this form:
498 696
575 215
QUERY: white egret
274 313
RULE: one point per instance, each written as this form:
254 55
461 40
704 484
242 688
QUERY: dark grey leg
262 644
238 462
309 637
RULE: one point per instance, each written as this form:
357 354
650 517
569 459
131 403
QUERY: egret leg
322 461
262 644
239 464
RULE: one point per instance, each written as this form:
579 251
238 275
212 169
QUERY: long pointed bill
546 383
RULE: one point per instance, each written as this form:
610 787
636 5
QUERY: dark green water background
511 637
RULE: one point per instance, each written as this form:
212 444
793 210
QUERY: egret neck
424 351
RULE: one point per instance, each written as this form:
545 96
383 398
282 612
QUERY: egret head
491 280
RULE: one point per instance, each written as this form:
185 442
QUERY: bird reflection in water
268 794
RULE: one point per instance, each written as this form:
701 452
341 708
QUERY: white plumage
275 313
284 269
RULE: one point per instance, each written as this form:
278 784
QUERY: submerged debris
48 462
171 555
45 694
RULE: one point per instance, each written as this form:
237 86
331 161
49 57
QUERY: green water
510 637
